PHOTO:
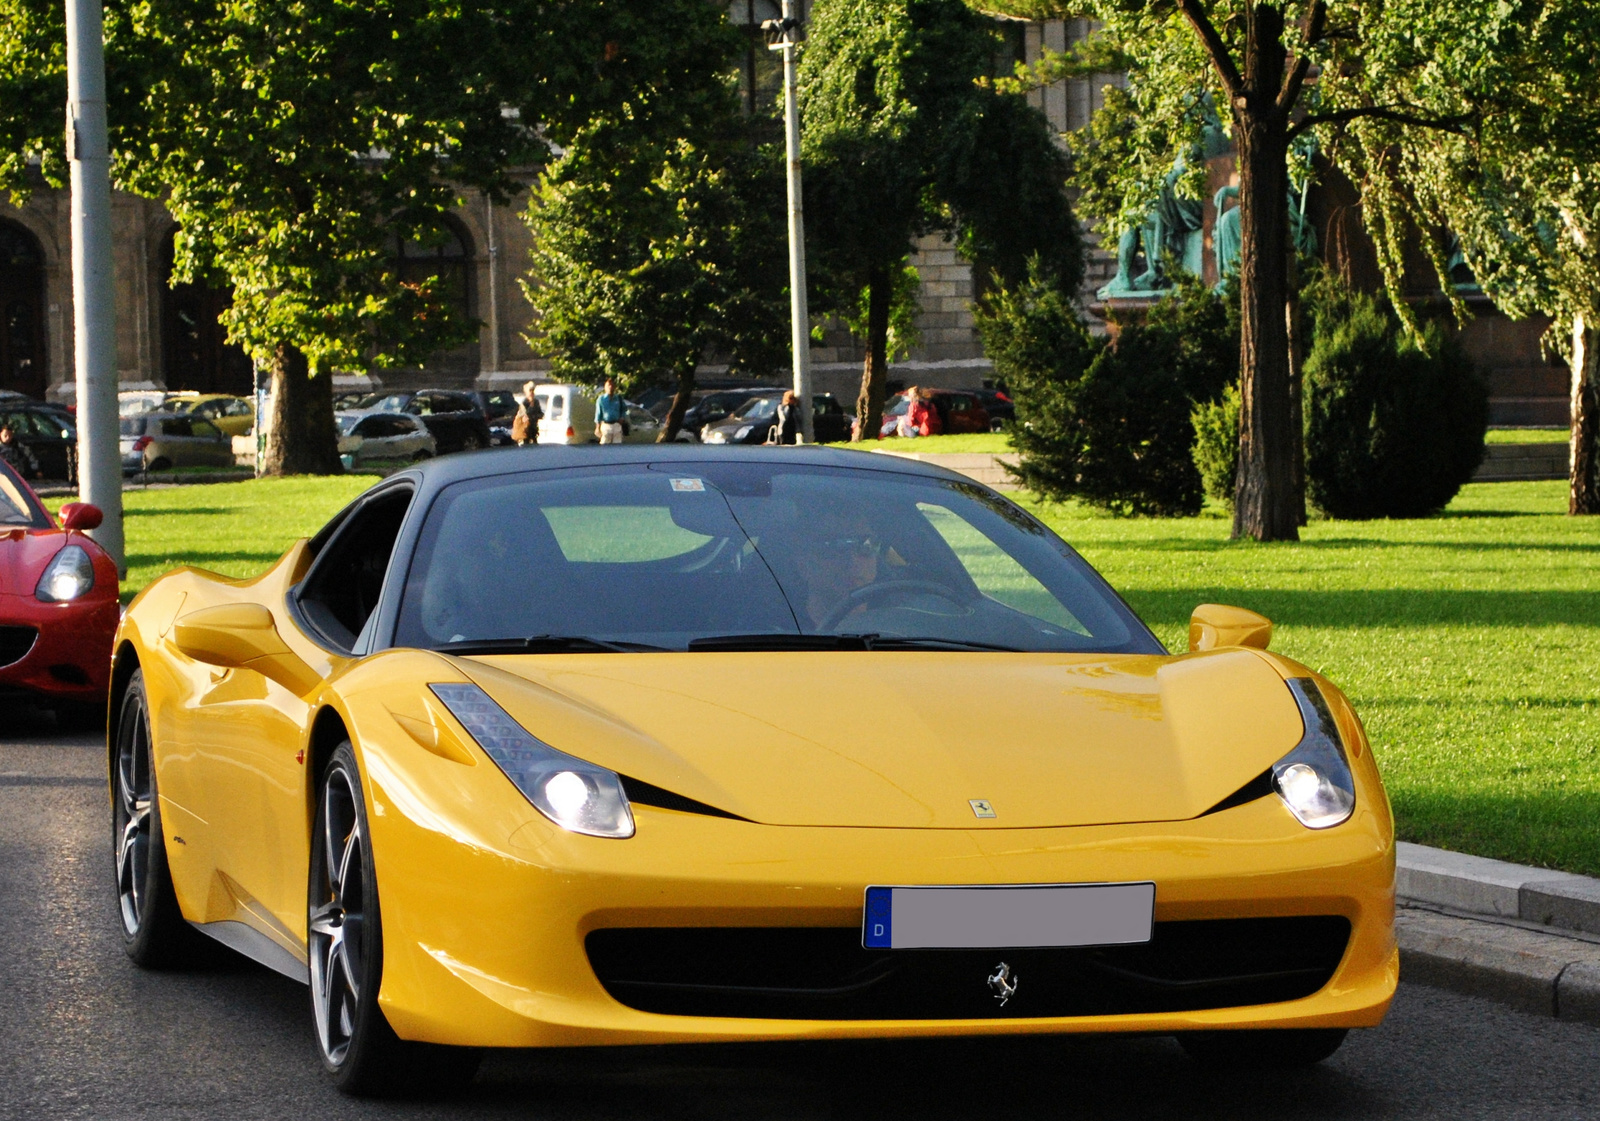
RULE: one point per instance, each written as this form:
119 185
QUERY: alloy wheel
133 820
336 927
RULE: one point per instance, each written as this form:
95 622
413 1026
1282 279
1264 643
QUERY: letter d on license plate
1007 916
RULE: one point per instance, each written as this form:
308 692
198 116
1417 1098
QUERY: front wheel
345 941
1262 1050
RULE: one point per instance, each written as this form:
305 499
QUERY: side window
341 592
175 426
204 429
369 427
556 408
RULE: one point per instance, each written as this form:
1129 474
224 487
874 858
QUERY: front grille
823 973
15 642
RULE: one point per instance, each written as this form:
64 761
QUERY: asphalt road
85 1034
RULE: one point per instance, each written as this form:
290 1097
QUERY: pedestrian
525 427
786 427
921 418
17 454
608 415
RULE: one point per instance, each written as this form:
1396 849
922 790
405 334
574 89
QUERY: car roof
362 414
435 474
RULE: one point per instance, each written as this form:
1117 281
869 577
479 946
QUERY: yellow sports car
560 747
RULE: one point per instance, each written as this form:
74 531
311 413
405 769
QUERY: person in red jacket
921 419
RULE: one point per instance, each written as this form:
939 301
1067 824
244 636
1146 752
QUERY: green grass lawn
1526 436
993 443
1470 642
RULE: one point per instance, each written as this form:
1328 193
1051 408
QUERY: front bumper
70 658
485 943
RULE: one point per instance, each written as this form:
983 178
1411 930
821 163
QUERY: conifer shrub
1109 423
1216 444
1394 425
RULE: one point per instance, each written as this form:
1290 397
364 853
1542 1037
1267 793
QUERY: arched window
444 255
195 353
22 360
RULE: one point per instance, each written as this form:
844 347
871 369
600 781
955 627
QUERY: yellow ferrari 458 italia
634 745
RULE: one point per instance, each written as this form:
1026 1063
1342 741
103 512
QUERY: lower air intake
823 973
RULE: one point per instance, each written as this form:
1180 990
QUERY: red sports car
58 603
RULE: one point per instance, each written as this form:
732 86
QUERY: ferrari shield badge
980 807
1003 983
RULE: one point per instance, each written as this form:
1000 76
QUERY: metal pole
799 315
94 313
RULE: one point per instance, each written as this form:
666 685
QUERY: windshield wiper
544 644
833 642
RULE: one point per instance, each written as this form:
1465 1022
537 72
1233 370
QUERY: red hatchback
58 603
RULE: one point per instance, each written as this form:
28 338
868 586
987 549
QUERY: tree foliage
901 140
658 236
1110 424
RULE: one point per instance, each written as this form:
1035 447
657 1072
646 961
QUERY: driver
838 557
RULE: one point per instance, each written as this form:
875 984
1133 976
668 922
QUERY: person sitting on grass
18 455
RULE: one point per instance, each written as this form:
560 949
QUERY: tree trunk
1264 506
1584 445
301 437
680 405
1295 326
869 405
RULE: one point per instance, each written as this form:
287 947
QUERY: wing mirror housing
1214 624
80 516
242 636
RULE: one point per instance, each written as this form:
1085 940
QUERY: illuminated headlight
713 436
69 576
1314 779
576 795
744 430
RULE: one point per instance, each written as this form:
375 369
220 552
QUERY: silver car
158 441
366 437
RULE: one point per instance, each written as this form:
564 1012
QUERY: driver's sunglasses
864 547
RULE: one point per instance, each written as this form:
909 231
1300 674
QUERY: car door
964 414
377 437
209 445
52 441
255 732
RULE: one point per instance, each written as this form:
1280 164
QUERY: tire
358 1048
154 932
1262 1049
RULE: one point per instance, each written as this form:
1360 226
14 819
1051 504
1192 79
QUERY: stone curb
1525 937
1479 886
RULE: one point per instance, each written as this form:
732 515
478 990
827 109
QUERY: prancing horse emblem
1004 983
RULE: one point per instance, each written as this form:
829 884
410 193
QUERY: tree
294 142
900 140
1519 190
658 235
1271 72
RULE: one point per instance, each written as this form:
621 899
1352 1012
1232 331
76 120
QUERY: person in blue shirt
608 415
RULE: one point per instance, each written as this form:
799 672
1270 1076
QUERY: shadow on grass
167 512
1548 829
202 560
1389 607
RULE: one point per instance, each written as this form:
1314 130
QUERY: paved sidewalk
1526 937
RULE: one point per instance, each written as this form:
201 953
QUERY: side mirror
242 636
1214 624
80 516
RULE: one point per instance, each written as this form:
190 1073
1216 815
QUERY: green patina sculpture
1226 240
1171 232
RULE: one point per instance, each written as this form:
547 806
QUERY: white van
569 417
568 414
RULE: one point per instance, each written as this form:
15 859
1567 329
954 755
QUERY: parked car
499 409
46 430
132 402
377 435
454 417
236 416
751 421
960 410
998 404
159 441
58 603
715 407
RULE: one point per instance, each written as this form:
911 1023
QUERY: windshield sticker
682 485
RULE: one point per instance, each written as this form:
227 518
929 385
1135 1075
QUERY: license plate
1007 916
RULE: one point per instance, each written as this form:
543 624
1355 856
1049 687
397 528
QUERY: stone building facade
169 337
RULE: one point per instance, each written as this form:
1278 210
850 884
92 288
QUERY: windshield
757 408
16 508
664 555
346 423
383 402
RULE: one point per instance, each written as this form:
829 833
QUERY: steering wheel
870 592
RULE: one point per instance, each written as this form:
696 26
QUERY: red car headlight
67 577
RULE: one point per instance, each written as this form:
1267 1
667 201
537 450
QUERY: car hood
909 739
23 555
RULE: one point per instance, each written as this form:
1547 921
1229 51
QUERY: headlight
68 576
713 436
577 796
744 430
1314 779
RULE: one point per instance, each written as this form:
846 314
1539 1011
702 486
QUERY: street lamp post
94 321
786 36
